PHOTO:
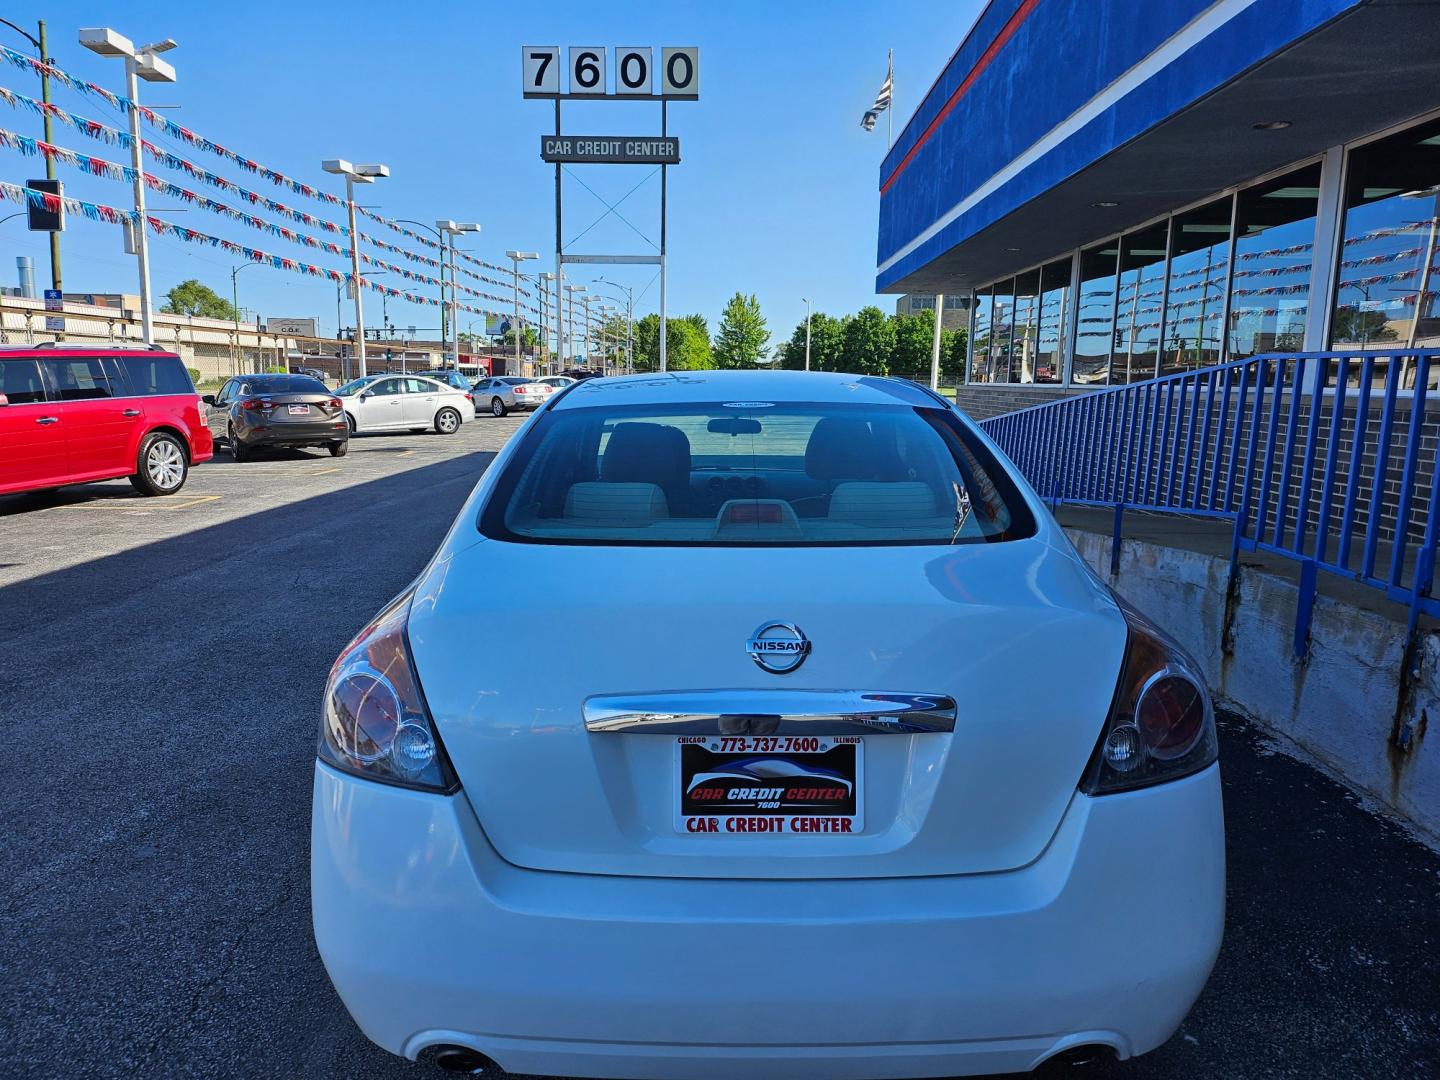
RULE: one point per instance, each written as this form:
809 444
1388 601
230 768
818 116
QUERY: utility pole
49 161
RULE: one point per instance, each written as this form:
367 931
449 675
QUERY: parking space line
323 472
134 504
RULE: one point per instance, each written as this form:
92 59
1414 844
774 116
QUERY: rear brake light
522 389
376 724
1161 725
469 396
743 513
333 403
254 403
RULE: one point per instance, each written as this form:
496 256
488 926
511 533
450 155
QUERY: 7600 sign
586 74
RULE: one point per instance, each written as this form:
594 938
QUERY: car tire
162 466
339 449
497 407
238 450
350 422
447 421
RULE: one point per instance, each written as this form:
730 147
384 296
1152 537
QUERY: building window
1386 285
980 335
1096 313
1027 318
1141 304
1054 310
1274 250
1002 322
1195 301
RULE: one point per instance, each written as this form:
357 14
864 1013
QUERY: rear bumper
307 434
431 938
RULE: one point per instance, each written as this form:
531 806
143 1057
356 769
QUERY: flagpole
890 112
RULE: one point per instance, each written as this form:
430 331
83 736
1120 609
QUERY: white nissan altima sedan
853 768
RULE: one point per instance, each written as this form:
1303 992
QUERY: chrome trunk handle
767 712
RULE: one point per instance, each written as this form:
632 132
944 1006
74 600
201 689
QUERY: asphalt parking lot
161 662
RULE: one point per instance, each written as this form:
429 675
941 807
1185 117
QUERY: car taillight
1161 725
469 397
522 389
333 403
376 724
254 403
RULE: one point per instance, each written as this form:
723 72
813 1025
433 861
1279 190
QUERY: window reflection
1386 285
1050 332
1195 301
1027 318
1274 249
1096 313
980 335
1002 323
1140 305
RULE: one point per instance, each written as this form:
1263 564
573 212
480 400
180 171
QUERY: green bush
194 375
276 369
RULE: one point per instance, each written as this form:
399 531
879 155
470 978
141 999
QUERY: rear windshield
784 474
283 384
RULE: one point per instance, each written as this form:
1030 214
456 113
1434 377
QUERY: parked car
559 382
581 374
273 411
505 392
72 415
314 373
450 377
810 813
397 402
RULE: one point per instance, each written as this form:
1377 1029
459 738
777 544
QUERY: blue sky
776 194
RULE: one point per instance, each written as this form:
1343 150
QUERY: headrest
647 453
841 449
603 503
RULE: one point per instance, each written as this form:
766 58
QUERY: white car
398 402
853 767
502 393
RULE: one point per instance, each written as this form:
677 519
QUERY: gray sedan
502 393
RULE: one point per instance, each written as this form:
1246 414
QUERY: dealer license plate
299 410
759 785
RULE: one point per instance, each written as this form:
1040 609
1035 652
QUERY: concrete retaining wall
1342 704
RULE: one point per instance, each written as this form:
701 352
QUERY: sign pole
664 326
559 263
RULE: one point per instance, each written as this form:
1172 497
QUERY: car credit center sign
611 149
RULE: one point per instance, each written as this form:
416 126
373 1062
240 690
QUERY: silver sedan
502 393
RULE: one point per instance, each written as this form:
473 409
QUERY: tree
698 321
1354 326
914 340
742 338
529 338
952 355
827 344
869 342
192 297
687 346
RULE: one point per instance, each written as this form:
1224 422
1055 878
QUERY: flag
882 99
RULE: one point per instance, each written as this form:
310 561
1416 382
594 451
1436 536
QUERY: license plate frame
817 782
298 410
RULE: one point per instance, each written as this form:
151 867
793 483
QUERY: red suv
74 414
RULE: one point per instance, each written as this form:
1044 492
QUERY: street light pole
572 289
807 332
235 310
543 288
142 63
516 258
629 292
453 229
362 174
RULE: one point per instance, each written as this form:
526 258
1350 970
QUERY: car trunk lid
511 640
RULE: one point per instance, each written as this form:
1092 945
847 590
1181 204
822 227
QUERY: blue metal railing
1340 476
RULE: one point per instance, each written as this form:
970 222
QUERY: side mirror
364 397
208 399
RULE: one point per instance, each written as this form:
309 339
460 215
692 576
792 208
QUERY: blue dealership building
1126 189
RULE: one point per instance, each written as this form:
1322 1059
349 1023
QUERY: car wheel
497 407
162 465
447 421
339 449
238 450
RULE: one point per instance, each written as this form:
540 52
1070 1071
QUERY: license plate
299 410
759 785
